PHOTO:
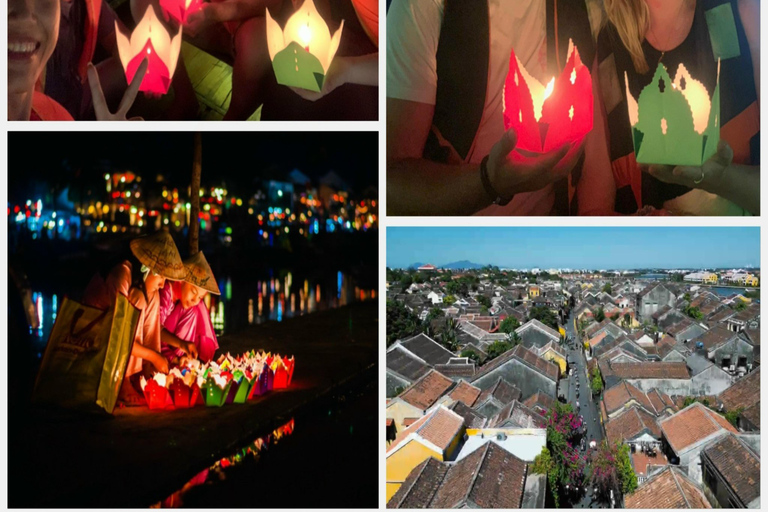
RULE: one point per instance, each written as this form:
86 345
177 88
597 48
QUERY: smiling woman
33 29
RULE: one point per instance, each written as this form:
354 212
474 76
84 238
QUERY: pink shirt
193 324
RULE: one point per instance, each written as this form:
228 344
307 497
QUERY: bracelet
495 196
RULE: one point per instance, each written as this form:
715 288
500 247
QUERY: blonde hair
632 20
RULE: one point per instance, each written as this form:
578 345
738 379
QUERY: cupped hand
100 104
333 79
198 20
512 171
708 177
190 349
160 363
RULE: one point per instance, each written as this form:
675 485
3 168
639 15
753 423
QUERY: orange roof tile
691 425
424 392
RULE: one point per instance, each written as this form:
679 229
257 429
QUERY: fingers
508 142
724 154
548 161
99 103
130 94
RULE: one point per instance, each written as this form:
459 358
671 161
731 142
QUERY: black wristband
495 196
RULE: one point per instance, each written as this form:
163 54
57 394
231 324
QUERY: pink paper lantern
150 40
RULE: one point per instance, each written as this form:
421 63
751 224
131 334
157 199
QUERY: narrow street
579 393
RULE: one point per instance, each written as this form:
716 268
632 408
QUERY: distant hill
463 264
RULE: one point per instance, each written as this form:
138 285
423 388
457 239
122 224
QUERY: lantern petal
696 95
175 50
275 39
123 46
631 102
335 41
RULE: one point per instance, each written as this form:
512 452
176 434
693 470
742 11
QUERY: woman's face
191 295
154 282
33 29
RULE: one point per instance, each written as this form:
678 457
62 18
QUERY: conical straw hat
159 253
200 273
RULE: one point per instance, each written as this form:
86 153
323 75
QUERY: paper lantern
302 53
261 382
216 390
149 40
674 122
546 117
155 392
180 10
283 369
184 389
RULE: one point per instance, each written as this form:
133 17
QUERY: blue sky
587 247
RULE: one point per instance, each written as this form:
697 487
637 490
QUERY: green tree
449 299
733 416
406 281
483 300
627 321
608 289
627 475
401 322
740 306
694 313
597 381
509 325
687 297
544 315
600 315
433 314
471 354
498 347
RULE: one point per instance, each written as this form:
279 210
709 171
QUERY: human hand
100 104
512 171
199 20
160 363
333 79
190 349
708 177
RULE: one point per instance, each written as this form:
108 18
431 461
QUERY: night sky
238 158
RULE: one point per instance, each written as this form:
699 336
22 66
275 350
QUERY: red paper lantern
157 396
545 118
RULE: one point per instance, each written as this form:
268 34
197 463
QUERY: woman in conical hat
187 327
139 276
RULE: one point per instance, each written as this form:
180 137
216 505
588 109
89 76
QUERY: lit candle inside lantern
149 40
546 117
302 53
673 121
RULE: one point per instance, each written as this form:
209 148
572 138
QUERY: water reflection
279 298
241 303
215 471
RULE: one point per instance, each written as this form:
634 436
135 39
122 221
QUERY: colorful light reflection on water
240 305
215 471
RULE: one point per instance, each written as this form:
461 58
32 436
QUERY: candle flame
573 76
663 126
550 87
305 35
570 113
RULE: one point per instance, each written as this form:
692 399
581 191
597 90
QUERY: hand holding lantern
302 53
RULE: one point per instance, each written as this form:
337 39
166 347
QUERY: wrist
490 181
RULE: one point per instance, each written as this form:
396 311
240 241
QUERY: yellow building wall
556 358
398 411
401 463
